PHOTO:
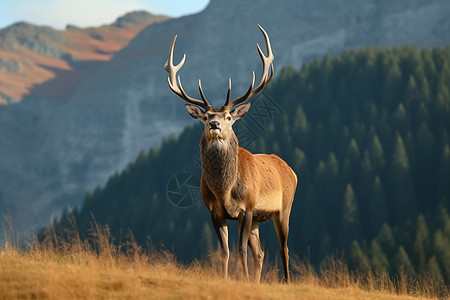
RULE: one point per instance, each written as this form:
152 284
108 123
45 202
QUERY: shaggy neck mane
219 163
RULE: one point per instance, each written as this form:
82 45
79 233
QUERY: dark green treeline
367 133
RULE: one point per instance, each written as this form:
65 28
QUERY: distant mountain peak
22 26
39 39
137 17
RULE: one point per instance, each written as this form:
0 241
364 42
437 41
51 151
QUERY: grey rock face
54 152
39 39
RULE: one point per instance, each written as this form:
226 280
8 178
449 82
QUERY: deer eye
205 118
229 118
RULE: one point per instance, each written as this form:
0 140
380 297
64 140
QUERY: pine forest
367 133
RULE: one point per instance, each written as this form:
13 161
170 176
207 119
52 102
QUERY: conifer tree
366 178
386 240
379 260
441 247
377 207
300 121
300 163
377 155
351 162
358 259
444 221
402 263
350 227
401 183
434 271
401 119
320 174
353 152
428 64
411 93
331 191
332 165
421 244
424 91
391 87
344 139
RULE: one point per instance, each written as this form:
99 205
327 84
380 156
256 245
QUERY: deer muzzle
214 128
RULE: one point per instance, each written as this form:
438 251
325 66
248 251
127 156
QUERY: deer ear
240 111
194 111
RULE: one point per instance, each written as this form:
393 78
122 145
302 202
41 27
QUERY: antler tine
175 85
265 77
227 102
202 94
241 99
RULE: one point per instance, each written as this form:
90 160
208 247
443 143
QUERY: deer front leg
257 250
245 225
221 228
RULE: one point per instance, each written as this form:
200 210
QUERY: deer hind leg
282 227
221 229
245 225
257 251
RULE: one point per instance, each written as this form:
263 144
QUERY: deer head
218 122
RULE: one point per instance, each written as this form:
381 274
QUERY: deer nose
214 124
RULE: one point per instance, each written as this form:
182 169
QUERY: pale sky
87 13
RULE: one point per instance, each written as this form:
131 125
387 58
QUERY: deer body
243 181
235 183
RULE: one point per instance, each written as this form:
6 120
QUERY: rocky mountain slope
40 69
56 150
32 55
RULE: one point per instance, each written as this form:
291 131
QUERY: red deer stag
236 184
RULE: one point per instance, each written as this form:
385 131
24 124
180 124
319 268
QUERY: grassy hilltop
83 270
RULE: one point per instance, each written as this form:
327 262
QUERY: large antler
265 77
175 85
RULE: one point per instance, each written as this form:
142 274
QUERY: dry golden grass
97 269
